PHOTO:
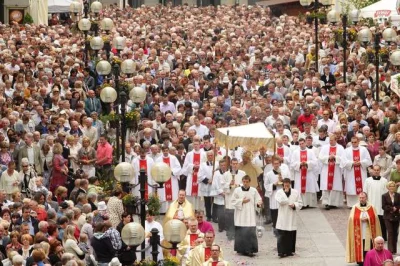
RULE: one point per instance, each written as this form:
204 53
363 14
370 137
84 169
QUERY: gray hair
42 224
66 257
86 208
18 260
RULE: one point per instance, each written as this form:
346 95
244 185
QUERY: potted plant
169 261
130 203
112 118
132 119
154 204
27 19
384 54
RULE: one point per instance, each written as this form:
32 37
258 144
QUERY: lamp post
365 36
315 7
334 17
161 173
133 234
395 59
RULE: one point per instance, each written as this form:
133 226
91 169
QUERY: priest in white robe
282 151
246 200
273 181
355 164
375 187
149 224
143 162
217 192
304 164
289 201
331 184
190 168
205 178
169 192
232 180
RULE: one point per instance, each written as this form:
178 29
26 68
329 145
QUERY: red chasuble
357 172
143 166
207 253
303 171
193 238
358 230
168 184
280 151
331 167
195 186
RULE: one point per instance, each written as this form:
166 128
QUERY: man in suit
89 81
32 152
26 218
92 104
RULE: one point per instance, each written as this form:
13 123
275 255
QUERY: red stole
303 171
195 186
207 253
193 238
143 166
358 230
357 172
331 167
214 263
280 151
168 184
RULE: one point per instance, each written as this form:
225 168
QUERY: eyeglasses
214 250
368 94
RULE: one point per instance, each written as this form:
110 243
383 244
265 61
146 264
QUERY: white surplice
374 189
309 198
287 218
245 213
187 170
136 166
337 178
148 227
203 176
269 184
228 188
217 187
348 172
176 170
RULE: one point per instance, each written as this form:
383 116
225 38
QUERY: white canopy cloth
250 137
38 9
59 6
384 8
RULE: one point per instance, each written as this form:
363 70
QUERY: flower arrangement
105 84
146 262
108 185
116 60
170 261
130 200
352 34
154 204
383 51
105 38
398 81
112 116
370 51
132 116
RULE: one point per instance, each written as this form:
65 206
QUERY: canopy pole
226 143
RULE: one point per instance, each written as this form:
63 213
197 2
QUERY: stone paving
319 241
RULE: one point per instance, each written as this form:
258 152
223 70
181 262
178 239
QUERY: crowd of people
202 68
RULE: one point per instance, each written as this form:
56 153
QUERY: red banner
331 168
143 166
382 13
357 172
168 184
358 246
195 186
280 151
303 171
